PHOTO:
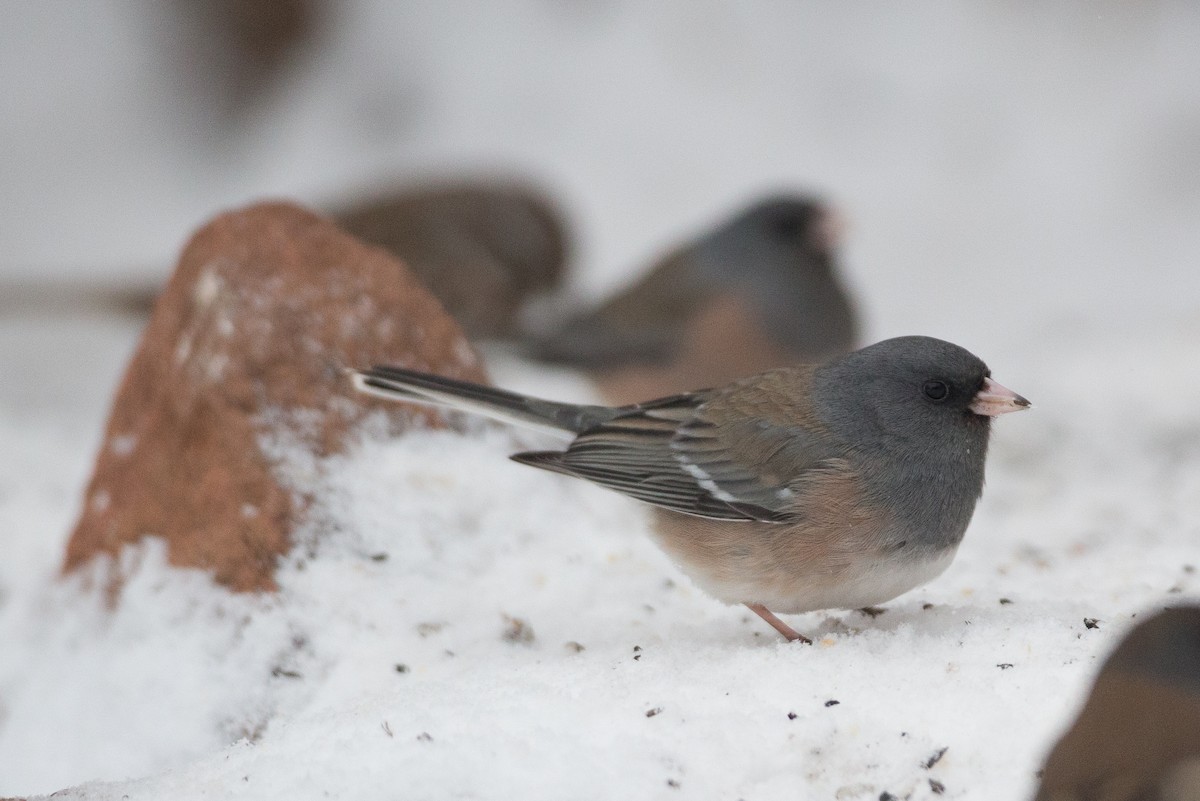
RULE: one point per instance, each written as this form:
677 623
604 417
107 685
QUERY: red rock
268 307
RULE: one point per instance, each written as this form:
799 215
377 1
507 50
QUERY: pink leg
789 633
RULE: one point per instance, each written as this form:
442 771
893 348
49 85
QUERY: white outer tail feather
401 393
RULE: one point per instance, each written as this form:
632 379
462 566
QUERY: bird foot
789 633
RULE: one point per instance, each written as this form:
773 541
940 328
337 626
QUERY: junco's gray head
762 285
795 232
909 391
1138 735
802 488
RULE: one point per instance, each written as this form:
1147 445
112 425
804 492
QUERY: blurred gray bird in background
1138 736
483 249
759 291
839 485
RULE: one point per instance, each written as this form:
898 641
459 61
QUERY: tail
400 384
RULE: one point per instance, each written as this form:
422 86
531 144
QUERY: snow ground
1022 182
425 550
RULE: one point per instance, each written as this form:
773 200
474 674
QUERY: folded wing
702 454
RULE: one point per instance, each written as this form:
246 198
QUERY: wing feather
709 454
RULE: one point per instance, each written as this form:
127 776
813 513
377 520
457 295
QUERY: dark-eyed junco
483 249
759 291
802 488
1138 736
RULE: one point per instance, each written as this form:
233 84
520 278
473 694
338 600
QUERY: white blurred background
1005 166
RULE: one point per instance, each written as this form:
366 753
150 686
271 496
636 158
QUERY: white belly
867 582
799 568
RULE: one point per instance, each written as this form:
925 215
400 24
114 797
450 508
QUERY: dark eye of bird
936 390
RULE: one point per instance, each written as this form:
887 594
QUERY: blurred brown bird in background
484 249
759 291
232 53
1138 736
